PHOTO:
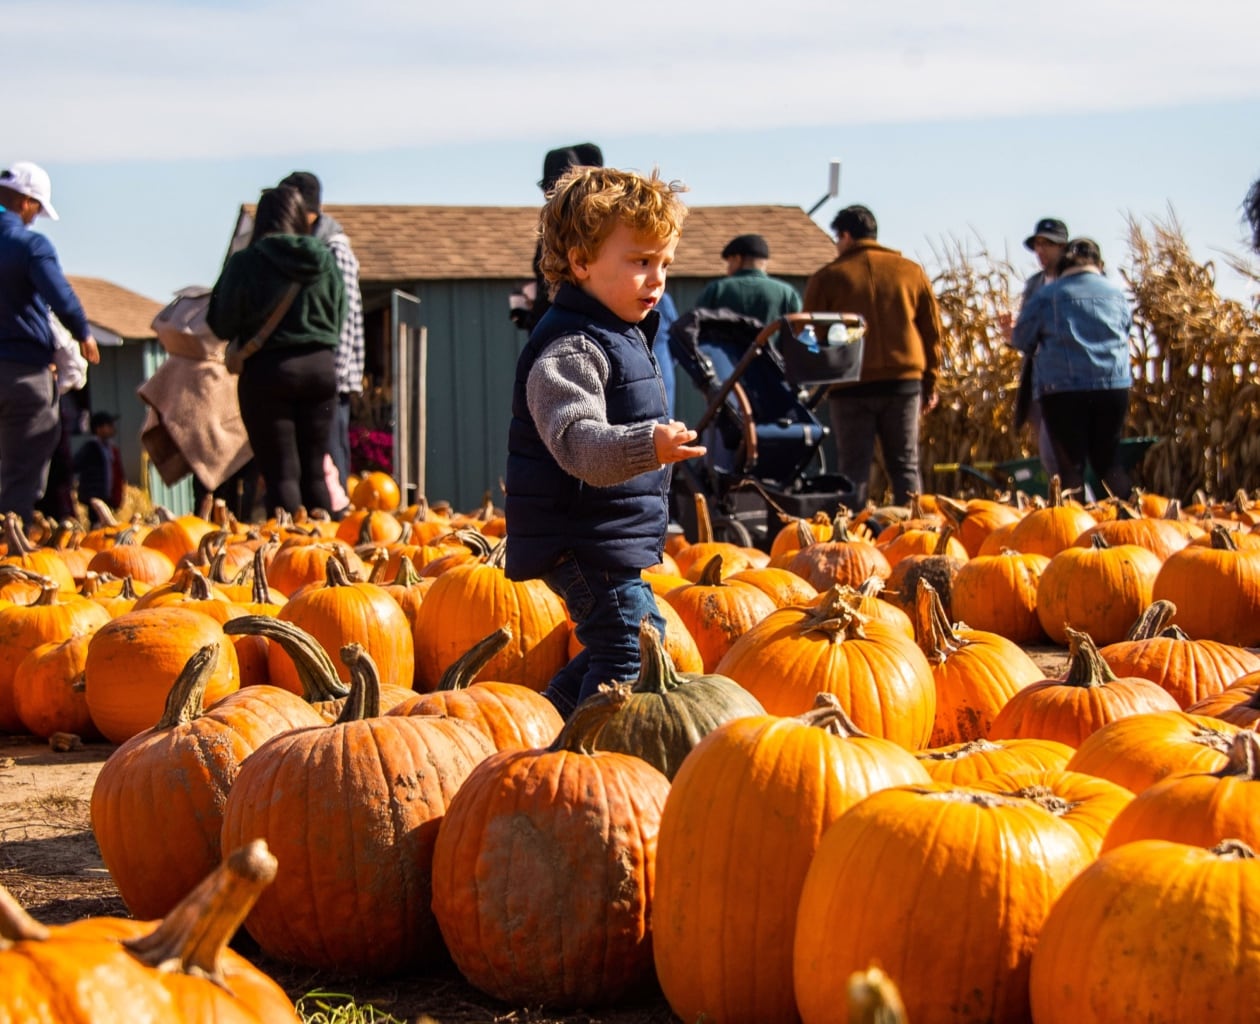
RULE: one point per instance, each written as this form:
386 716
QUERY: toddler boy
591 441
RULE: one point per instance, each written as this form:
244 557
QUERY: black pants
1086 426
287 397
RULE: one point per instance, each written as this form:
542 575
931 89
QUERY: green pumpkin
664 714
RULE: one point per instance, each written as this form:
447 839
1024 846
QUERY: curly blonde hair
589 202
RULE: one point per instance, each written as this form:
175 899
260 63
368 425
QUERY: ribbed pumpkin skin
44 694
1238 704
743 819
998 593
512 716
1084 699
134 659
1188 669
351 811
1152 931
906 868
543 876
1047 531
1138 751
717 612
1200 809
467 601
360 613
1232 578
1098 590
157 805
883 680
1087 803
25 627
963 764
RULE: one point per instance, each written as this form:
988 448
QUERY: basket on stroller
761 385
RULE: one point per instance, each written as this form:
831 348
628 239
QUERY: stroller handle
791 322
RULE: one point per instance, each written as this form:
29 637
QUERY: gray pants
339 440
29 430
857 421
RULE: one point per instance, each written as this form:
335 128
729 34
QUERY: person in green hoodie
288 388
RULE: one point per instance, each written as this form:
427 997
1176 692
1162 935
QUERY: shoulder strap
272 321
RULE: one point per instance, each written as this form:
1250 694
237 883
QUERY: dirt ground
50 862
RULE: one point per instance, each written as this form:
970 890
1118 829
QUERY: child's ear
578 264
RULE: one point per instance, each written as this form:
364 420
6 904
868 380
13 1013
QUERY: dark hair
1251 208
306 183
856 221
281 211
1080 252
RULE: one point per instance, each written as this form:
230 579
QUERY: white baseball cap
28 179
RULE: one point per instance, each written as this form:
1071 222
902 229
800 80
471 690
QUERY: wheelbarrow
1029 475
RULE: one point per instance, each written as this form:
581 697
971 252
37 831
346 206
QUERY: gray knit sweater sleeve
565 392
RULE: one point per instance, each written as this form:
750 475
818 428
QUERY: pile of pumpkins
838 755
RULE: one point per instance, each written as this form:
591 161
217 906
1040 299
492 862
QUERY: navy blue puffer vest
548 510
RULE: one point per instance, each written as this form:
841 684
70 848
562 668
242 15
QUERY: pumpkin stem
1098 542
583 727
379 559
657 673
261 594
16 925
932 631
407 575
364 700
103 512
1223 539
829 714
463 672
1244 757
711 574
19 543
186 700
1233 849
1153 619
704 522
315 669
874 999
192 937
1086 667
836 616
335 574
957 753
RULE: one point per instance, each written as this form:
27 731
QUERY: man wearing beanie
748 289
350 355
31 284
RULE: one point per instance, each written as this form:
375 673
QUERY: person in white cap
31 284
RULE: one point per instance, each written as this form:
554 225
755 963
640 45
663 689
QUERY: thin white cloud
197 80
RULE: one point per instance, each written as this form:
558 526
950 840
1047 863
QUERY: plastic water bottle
808 338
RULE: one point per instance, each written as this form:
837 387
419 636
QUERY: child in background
591 440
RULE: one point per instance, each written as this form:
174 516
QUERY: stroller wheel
732 531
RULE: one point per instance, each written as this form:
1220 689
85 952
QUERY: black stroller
762 384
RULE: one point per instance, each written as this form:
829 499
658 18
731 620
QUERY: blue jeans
607 606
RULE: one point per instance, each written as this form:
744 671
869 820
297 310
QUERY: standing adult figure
288 389
31 284
747 288
1076 329
901 353
1047 242
1251 212
350 350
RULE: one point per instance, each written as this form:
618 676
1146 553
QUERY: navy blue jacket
31 282
550 511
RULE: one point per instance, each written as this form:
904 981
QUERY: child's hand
673 442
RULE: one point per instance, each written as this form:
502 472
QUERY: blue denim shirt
1077 330
31 282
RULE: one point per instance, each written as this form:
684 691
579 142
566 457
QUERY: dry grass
1196 356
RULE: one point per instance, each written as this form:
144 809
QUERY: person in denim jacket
1076 328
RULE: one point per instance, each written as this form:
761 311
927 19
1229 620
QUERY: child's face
627 274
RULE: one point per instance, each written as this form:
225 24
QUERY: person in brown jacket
901 353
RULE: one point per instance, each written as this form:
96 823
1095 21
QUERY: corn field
1196 357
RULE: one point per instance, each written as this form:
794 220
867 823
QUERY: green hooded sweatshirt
254 282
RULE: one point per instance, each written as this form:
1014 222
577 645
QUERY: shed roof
116 309
414 243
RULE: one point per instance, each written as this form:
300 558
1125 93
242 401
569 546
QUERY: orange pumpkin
1138 751
718 611
964 764
377 491
48 689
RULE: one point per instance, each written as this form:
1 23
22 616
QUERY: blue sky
955 123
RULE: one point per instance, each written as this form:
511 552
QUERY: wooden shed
451 270
121 322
